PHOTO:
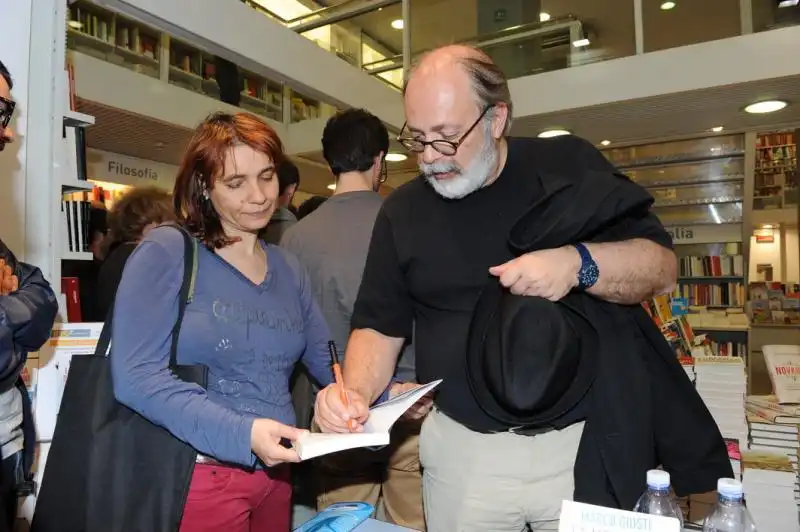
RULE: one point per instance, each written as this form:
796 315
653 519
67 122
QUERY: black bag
109 469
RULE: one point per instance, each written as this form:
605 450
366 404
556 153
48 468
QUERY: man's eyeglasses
6 112
384 175
445 147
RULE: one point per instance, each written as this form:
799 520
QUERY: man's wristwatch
589 272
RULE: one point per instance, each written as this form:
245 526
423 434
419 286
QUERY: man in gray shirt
332 244
283 217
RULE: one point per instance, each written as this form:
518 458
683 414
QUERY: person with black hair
332 244
284 217
28 308
309 206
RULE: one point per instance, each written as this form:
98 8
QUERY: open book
376 429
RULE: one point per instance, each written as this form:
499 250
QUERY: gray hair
489 85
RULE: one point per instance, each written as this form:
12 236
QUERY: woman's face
246 194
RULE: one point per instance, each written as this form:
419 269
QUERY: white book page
376 429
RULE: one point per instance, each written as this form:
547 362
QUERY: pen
337 376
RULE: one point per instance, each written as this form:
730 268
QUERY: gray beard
467 181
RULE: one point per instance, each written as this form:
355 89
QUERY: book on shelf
768 410
75 209
716 294
774 303
711 266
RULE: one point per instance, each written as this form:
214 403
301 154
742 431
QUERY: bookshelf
106 35
699 191
776 171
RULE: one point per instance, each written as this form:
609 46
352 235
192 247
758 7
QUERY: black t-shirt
429 259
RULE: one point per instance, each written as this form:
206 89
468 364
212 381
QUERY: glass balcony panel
664 153
528 36
711 193
113 38
680 23
721 213
773 14
306 108
728 169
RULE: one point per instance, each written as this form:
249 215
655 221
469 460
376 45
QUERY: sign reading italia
705 234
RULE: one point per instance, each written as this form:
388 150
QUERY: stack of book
768 480
774 429
722 384
772 302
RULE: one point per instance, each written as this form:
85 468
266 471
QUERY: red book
70 287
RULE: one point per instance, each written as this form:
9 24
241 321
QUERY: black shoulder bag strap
188 373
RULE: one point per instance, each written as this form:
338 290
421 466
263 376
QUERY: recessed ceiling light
717 129
666 6
394 157
788 3
75 24
397 24
332 186
767 106
605 142
550 133
580 43
544 17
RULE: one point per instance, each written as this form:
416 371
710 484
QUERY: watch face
589 275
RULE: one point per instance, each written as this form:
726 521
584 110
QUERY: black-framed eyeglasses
384 175
6 111
445 147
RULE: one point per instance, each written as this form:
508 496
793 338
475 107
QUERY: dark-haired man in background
28 307
284 216
332 244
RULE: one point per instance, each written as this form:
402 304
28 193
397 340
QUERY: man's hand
419 409
265 440
333 415
8 281
549 273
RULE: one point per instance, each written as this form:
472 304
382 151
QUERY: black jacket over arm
642 411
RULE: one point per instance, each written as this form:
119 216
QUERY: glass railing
526 38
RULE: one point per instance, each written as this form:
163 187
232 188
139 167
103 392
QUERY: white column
28 194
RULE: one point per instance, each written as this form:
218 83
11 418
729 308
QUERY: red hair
204 162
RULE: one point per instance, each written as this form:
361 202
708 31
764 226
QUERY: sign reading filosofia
705 234
125 170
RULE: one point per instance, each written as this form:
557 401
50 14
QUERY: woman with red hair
250 321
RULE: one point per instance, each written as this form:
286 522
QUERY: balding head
457 114
459 66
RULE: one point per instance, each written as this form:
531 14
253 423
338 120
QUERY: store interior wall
770 253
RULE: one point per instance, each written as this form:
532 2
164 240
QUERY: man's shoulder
568 155
408 195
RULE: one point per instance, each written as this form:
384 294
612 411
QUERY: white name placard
580 517
125 170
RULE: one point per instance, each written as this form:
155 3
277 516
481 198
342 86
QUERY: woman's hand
265 440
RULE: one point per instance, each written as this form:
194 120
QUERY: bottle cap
658 479
729 487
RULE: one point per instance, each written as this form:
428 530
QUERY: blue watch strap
589 272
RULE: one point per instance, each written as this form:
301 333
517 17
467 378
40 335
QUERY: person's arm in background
316 358
145 310
26 316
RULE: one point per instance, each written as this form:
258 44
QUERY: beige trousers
390 475
501 482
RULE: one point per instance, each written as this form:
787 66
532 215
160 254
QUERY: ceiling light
580 43
605 142
75 24
666 6
550 133
394 157
788 3
544 17
717 129
767 106
397 24
332 186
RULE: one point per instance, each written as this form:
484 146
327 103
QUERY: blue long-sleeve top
249 336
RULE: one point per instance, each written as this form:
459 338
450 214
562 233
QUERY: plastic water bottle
657 500
729 514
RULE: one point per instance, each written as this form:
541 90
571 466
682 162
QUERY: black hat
530 361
